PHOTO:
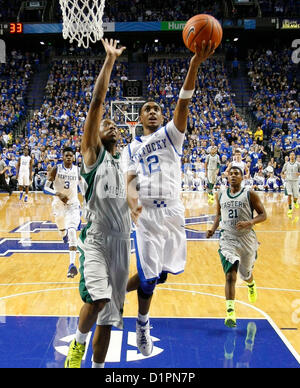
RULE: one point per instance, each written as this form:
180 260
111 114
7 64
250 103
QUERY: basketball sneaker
290 213
230 320
252 292
143 339
211 198
75 354
72 271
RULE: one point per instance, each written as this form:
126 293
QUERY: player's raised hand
205 51
111 47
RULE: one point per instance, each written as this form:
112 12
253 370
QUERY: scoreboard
14 28
132 88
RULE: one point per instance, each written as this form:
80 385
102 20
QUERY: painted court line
167 284
267 317
222 285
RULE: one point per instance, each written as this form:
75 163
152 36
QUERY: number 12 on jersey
152 165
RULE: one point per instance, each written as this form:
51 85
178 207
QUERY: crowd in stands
213 120
9 13
147 10
279 8
15 76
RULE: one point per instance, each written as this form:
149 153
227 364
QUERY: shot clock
9 28
132 88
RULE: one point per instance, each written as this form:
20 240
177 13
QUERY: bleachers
213 119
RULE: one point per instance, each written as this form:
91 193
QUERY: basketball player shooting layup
104 244
156 209
238 242
66 205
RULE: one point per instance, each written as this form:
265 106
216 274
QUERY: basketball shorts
212 176
292 188
241 248
160 239
23 179
104 270
66 216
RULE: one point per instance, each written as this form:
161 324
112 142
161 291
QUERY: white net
82 20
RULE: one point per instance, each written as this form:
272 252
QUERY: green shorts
238 248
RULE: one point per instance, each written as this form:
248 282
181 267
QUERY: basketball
202 27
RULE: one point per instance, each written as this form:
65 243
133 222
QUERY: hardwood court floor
34 266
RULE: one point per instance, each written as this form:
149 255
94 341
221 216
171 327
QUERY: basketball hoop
132 125
82 20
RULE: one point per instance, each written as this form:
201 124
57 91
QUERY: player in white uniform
238 242
156 208
24 173
272 182
237 162
259 181
104 244
66 205
212 166
291 172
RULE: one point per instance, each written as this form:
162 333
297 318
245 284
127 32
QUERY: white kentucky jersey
66 182
130 150
259 179
24 164
241 165
291 170
235 208
213 162
105 200
157 163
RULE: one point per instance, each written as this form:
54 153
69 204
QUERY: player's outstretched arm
132 197
187 91
91 143
47 187
50 178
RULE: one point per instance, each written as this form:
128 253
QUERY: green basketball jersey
104 194
235 208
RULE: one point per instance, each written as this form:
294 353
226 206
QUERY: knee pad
146 288
162 278
72 237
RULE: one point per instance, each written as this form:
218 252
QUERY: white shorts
66 216
212 176
241 248
23 179
160 240
104 269
292 188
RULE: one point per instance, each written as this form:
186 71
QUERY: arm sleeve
47 188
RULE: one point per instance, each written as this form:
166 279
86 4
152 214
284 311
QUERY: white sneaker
143 338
